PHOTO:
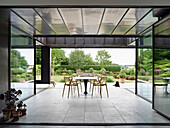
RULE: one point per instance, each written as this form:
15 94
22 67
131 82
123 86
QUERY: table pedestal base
85 85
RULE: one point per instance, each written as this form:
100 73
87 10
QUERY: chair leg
80 86
101 91
90 87
78 90
107 91
68 91
71 91
63 90
92 90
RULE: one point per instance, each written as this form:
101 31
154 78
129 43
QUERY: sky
121 56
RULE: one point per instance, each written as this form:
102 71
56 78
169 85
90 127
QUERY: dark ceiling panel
21 24
34 19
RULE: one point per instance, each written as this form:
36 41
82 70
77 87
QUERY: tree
88 59
38 56
57 57
103 58
23 62
145 61
77 59
17 60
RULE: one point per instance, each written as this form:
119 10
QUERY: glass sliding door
22 57
144 65
162 67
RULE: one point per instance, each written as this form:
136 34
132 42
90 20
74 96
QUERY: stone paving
122 106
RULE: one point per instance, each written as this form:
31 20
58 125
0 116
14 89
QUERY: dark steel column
45 65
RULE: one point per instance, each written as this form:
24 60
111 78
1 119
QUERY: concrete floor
122 106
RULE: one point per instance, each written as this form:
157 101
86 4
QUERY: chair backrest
103 80
67 80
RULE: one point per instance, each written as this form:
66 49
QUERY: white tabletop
85 78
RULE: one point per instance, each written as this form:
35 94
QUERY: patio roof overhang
83 27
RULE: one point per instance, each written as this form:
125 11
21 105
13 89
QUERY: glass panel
73 19
144 68
143 24
31 16
144 76
92 18
132 16
52 17
19 38
111 18
146 38
22 64
162 68
19 23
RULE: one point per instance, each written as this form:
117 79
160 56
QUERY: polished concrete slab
122 106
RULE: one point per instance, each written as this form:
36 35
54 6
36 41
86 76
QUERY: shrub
28 75
91 70
63 74
78 70
107 72
57 72
103 70
23 76
15 79
130 77
15 71
113 68
110 80
70 72
122 75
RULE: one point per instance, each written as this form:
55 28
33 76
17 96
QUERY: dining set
75 82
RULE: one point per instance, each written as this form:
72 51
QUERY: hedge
113 68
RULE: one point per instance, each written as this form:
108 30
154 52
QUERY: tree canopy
17 60
57 56
77 59
103 58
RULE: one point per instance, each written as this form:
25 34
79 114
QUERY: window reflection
162 68
144 65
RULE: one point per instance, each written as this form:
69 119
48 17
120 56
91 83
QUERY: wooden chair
78 81
102 81
70 83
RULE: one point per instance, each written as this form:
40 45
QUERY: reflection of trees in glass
162 62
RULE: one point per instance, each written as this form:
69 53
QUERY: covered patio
122 107
143 28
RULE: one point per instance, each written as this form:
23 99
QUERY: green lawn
61 78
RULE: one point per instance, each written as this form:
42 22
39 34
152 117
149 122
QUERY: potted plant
21 109
10 98
122 77
16 115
